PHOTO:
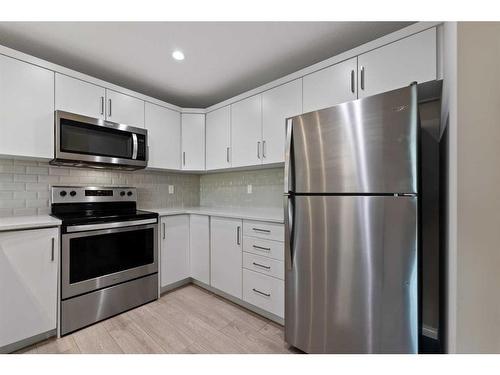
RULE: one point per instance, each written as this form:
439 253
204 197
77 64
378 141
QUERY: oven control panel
78 194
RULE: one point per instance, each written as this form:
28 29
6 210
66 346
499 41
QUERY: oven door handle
121 224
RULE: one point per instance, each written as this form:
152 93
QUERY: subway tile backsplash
229 189
25 186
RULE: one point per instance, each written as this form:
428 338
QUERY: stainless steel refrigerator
351 219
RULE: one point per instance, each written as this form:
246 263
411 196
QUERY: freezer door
364 146
351 274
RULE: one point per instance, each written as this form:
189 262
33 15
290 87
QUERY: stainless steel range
109 256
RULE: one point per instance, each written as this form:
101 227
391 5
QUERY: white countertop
28 222
261 214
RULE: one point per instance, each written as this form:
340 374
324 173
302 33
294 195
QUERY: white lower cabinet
226 255
199 245
174 245
28 283
265 292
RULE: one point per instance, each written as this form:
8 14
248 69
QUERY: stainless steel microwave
82 141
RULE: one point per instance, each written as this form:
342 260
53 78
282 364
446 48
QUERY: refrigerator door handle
289 229
288 157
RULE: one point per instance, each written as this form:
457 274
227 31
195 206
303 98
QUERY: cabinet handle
258 150
163 230
261 265
227 154
184 158
263 149
352 81
109 107
264 294
238 230
102 105
261 230
52 255
362 78
261 248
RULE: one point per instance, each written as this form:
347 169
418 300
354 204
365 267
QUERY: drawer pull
261 248
261 230
262 293
261 265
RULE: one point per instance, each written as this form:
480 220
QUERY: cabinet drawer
269 231
271 249
264 291
266 266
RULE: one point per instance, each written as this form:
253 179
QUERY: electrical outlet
171 189
249 189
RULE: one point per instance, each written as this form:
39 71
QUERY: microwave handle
134 143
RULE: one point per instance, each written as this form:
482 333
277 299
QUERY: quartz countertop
28 222
261 214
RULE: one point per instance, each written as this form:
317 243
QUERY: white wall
478 186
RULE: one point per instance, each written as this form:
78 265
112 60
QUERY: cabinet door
398 64
226 255
330 86
193 141
199 244
28 283
278 104
174 249
124 109
26 109
77 96
218 139
164 137
246 132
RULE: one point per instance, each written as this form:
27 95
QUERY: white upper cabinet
77 96
218 142
124 109
28 283
174 249
26 109
164 137
246 132
226 255
398 64
278 104
330 86
193 141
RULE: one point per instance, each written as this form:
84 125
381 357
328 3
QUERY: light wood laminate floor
186 320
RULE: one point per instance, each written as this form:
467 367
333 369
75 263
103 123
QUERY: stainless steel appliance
109 256
89 142
352 203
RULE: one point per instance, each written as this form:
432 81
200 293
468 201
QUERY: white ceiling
223 59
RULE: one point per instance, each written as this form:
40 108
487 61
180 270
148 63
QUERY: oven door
94 141
95 259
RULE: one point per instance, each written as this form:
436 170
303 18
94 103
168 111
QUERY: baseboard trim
177 284
15 346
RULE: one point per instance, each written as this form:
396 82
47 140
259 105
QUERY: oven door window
94 256
88 139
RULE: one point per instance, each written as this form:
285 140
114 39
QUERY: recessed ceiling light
178 55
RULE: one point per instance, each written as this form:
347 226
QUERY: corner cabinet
164 137
26 109
226 236
28 284
193 141
277 105
218 138
398 64
174 249
199 247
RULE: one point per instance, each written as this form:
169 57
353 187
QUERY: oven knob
122 193
129 193
72 193
63 193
